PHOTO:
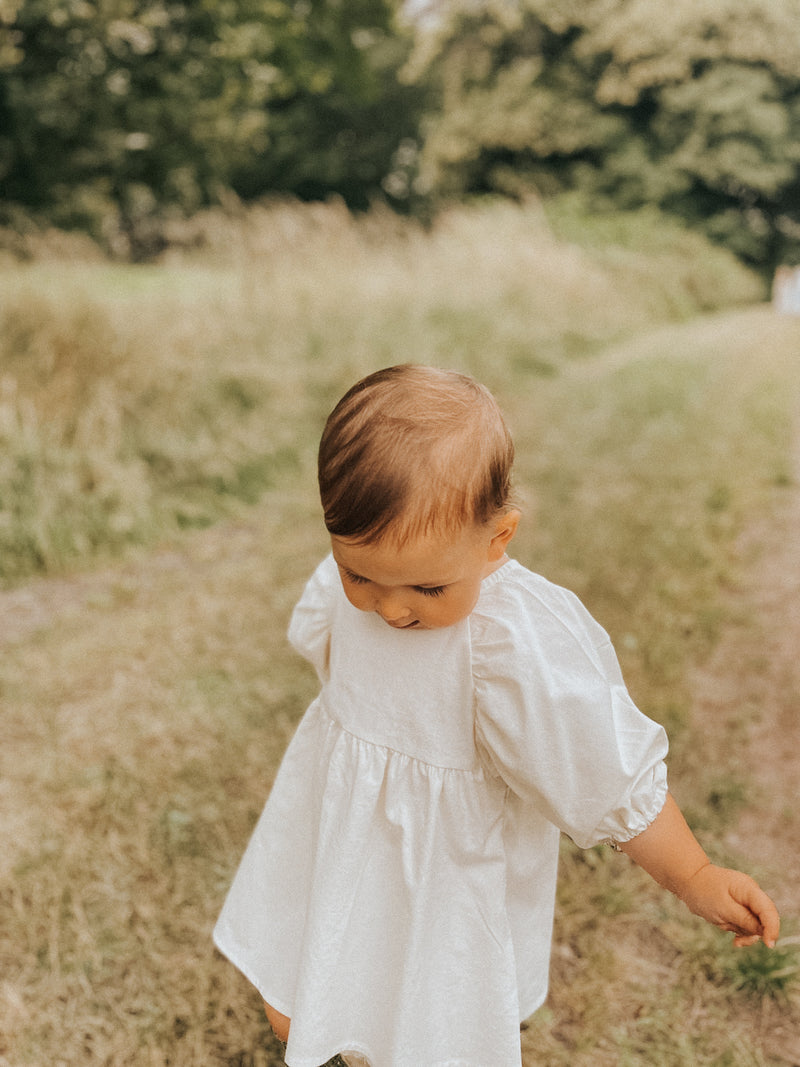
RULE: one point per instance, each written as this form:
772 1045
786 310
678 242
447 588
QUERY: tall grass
136 403
144 718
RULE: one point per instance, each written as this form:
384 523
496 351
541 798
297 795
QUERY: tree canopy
114 112
693 106
134 105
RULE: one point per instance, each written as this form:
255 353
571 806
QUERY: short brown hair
415 448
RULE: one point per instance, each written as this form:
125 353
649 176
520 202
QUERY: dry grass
145 726
137 402
146 702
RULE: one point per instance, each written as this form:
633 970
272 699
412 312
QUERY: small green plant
768 972
757 971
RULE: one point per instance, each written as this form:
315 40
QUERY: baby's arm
670 853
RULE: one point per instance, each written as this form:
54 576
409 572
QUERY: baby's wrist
687 887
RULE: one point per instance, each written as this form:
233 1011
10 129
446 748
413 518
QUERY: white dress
396 898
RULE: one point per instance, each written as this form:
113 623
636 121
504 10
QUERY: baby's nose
391 607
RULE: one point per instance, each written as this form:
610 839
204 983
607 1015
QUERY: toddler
395 903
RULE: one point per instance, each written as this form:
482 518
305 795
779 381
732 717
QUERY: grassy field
158 519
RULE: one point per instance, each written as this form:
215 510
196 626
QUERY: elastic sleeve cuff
643 807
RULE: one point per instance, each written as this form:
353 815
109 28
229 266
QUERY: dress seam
477 770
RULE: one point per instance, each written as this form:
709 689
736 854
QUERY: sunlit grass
135 403
171 415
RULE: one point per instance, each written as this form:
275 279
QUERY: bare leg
280 1023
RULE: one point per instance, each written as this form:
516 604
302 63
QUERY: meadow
158 518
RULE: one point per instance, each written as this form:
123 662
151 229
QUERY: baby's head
415 468
413 450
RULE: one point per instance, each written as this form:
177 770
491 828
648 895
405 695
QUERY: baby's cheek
359 599
455 608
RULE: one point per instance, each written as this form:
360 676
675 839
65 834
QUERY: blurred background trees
115 114
693 107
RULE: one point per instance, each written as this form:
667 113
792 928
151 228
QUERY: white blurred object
786 290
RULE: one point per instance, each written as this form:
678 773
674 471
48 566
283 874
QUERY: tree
120 109
694 107
721 79
114 104
338 110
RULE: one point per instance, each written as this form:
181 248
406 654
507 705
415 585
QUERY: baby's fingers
738 920
746 940
756 915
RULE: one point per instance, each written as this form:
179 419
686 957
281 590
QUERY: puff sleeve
554 719
310 624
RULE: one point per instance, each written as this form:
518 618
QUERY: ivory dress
396 897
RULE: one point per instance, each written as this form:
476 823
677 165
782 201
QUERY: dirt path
769 831
755 672
753 676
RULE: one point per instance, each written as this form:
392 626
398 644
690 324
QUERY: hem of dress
533 1007
460 1062
348 1050
231 956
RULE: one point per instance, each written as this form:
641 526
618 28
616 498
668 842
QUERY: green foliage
759 972
768 973
112 113
339 111
695 108
118 117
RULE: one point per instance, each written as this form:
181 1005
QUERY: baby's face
428 583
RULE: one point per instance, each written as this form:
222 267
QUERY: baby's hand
732 901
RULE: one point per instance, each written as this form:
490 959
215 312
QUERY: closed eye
425 590
357 578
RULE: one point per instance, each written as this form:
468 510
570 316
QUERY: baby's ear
504 529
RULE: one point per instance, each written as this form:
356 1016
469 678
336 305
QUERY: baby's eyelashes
356 578
425 590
